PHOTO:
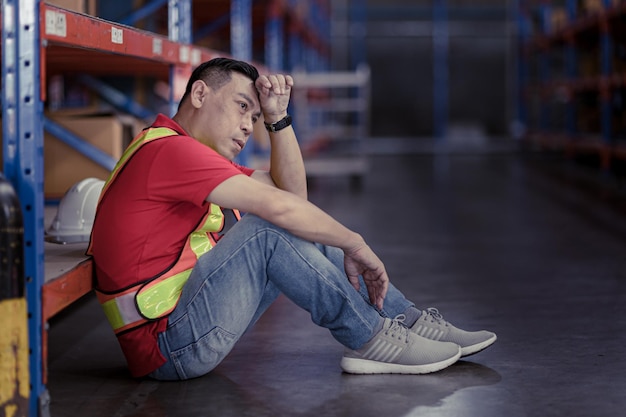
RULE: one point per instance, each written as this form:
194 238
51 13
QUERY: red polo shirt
143 222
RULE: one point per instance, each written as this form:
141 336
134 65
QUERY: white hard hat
76 212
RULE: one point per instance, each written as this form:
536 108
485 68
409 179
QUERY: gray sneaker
431 325
396 350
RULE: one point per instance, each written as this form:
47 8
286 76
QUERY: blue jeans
235 282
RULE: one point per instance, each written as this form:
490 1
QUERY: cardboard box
558 19
64 166
596 6
80 6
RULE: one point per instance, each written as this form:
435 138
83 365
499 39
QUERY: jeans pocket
200 357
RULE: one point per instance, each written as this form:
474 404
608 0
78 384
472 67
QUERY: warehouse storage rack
333 114
572 77
39 39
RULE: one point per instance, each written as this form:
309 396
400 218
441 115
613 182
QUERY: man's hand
362 261
274 92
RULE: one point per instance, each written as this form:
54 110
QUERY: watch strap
279 125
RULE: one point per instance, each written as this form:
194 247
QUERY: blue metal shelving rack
522 70
587 27
274 40
606 69
23 126
440 69
22 133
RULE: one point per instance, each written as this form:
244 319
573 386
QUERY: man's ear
199 91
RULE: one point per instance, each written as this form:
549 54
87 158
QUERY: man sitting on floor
179 293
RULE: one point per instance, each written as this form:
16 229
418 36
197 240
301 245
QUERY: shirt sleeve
186 170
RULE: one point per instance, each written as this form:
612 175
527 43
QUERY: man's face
228 116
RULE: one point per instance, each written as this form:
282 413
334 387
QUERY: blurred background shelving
572 79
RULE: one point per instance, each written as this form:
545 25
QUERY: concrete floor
527 246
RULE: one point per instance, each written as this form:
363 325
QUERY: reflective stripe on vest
157 297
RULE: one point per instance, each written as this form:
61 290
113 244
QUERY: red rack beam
64 27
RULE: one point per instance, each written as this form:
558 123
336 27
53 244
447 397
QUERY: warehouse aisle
531 248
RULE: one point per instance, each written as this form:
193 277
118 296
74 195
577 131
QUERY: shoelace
436 316
398 328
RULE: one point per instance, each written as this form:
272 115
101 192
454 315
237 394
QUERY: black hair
217 72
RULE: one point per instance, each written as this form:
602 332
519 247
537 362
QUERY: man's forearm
309 222
286 164
284 209
326 231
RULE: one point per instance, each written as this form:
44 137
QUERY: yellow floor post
14 349
14 374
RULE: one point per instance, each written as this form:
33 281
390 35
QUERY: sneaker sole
471 350
365 366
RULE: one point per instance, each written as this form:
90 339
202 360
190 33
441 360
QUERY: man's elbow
279 206
299 189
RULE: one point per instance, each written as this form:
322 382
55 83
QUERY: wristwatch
279 125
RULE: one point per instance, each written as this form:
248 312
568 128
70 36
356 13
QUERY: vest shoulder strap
147 135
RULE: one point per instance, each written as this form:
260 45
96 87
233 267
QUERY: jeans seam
226 260
323 278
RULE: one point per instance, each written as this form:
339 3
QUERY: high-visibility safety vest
157 297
